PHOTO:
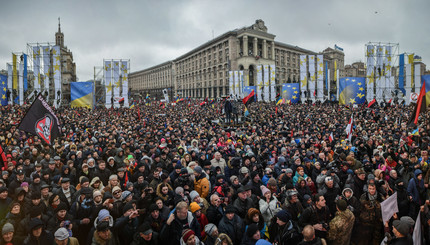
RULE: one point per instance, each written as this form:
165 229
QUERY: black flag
41 121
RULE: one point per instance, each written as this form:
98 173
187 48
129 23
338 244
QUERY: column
273 50
255 46
245 45
264 49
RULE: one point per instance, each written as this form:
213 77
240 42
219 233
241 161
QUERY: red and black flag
371 103
249 99
40 120
421 105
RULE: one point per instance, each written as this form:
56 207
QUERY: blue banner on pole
25 73
401 73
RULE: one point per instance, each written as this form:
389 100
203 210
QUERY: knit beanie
252 229
193 194
194 207
186 234
264 190
8 227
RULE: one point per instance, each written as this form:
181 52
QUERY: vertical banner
124 76
21 84
246 81
328 83
266 83
411 61
408 86
236 84
116 83
231 82
36 68
303 77
9 82
108 82
335 78
47 68
379 72
272 82
320 77
56 56
15 73
3 90
402 73
25 73
417 77
370 73
389 83
241 84
312 77
259 82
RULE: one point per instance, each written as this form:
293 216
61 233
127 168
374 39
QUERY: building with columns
204 71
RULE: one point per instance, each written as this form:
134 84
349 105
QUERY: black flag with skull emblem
40 120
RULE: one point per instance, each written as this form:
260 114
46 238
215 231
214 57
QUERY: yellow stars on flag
361 89
294 88
352 101
296 92
47 74
294 97
54 52
2 83
3 97
347 79
124 78
313 78
320 65
57 58
56 67
46 50
320 73
108 66
359 84
360 95
353 80
109 87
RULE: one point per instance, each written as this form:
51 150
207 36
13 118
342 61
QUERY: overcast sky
152 32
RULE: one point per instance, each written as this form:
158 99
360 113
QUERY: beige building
203 71
356 69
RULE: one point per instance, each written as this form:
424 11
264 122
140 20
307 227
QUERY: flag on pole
40 120
279 101
246 112
417 234
331 137
349 128
423 100
132 106
249 99
371 103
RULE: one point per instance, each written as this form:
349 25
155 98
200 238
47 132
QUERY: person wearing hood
126 225
82 210
201 182
60 219
252 235
211 234
403 201
37 234
111 165
417 193
352 202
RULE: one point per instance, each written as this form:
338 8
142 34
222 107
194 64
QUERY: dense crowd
181 175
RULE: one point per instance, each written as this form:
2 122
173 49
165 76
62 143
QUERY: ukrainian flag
352 90
82 94
279 101
415 132
246 112
132 106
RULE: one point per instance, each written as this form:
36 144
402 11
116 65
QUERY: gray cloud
152 32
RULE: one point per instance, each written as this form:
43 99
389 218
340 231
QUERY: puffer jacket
201 185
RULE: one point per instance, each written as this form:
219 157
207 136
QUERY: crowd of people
181 175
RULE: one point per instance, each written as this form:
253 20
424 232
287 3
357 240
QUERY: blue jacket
415 186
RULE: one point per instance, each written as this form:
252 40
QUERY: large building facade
203 72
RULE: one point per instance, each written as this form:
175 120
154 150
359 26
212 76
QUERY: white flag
389 207
417 235
349 128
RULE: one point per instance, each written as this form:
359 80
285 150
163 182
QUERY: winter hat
61 206
283 215
116 188
252 229
125 194
127 207
262 242
96 194
252 212
306 197
84 179
194 207
193 194
103 214
233 178
288 170
113 176
186 234
103 226
209 228
35 223
198 169
145 229
8 227
402 227
271 182
61 234
264 190
253 174
408 220
179 190
230 209
244 170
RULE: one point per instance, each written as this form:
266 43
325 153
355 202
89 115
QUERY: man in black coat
215 211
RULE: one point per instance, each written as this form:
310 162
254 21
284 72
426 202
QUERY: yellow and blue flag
132 105
3 90
291 92
82 94
352 90
246 112
279 101
416 132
